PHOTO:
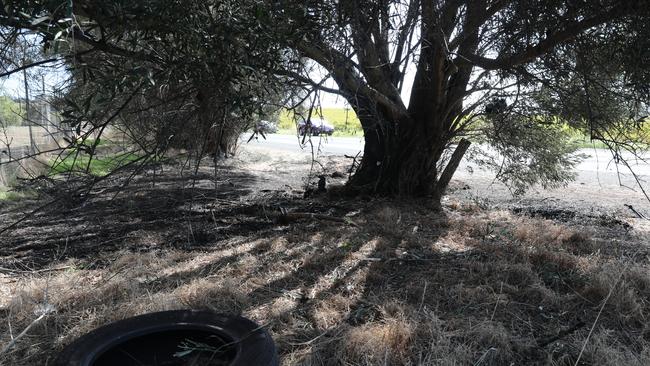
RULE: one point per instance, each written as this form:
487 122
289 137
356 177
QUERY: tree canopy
182 73
510 73
579 63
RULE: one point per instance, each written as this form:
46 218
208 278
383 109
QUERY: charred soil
357 281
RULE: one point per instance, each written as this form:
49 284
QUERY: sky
335 101
13 86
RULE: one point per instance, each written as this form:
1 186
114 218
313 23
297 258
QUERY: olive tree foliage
170 73
514 74
550 64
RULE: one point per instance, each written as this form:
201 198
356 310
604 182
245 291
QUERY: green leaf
40 20
183 353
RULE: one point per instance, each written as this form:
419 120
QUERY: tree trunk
400 157
398 161
452 164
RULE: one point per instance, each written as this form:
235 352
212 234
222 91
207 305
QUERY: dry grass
406 287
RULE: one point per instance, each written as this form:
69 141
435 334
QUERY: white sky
334 101
13 86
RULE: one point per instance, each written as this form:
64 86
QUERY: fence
19 143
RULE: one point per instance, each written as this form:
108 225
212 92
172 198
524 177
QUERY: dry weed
495 341
388 342
629 299
604 348
480 288
389 220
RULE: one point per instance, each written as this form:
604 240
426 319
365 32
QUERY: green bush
10 112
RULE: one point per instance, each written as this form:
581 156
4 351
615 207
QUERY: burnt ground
382 282
171 206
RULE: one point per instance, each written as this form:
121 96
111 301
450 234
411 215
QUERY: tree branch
370 46
305 80
342 70
403 38
43 62
28 66
531 53
102 45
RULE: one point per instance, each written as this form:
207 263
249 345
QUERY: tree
511 73
171 73
551 62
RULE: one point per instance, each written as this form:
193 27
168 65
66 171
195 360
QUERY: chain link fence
24 147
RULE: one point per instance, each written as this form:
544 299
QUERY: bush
10 112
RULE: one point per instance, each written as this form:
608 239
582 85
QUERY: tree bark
452 164
399 156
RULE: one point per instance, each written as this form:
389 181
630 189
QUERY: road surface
599 180
330 145
597 165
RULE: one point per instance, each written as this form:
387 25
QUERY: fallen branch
3 269
639 215
46 312
354 163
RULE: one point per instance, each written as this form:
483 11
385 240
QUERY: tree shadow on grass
337 287
404 297
399 285
175 212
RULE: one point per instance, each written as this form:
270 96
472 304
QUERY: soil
490 280
168 208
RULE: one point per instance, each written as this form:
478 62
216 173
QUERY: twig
3 269
354 163
309 342
13 341
11 331
639 215
294 216
497 303
424 291
484 356
76 191
29 215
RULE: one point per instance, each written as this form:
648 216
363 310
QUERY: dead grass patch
406 286
389 342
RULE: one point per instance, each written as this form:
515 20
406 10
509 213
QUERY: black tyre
173 338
